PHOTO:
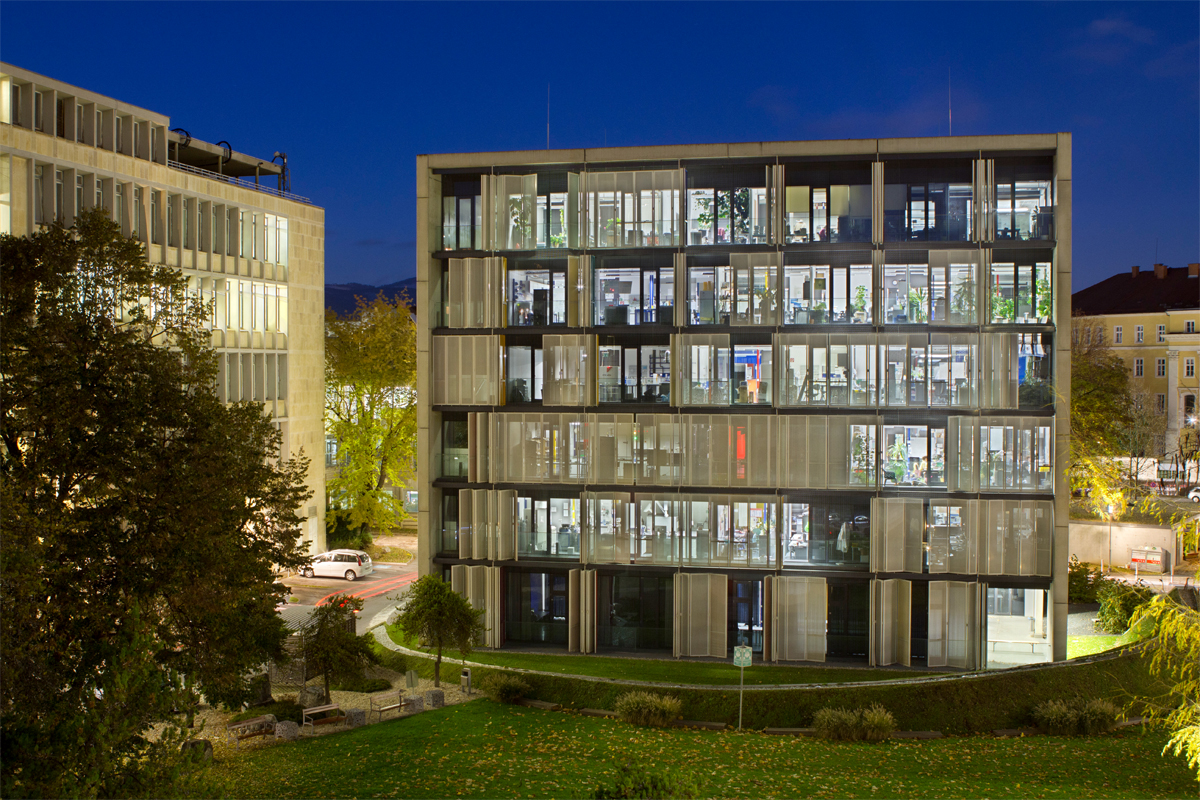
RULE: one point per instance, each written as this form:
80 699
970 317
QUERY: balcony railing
244 183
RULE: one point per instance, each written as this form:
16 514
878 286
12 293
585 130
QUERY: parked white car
348 564
1194 494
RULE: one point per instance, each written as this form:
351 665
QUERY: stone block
310 696
287 730
356 718
435 698
416 705
200 749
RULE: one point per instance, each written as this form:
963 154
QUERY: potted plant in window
918 305
860 304
817 313
897 460
962 303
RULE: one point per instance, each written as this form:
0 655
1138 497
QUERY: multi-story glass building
223 218
803 396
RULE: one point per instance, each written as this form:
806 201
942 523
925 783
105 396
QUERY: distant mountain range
341 297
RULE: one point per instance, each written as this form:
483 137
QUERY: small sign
742 656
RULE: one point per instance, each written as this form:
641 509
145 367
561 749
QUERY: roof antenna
949 103
547 116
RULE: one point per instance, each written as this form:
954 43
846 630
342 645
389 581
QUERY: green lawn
1090 645
482 749
698 673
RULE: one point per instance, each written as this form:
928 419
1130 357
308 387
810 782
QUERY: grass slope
482 749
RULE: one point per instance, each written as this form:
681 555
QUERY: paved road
388 580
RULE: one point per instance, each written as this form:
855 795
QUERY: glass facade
685 406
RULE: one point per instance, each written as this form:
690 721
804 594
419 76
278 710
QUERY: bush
1083 581
872 724
503 688
339 533
646 708
361 684
284 709
1075 717
1118 601
635 781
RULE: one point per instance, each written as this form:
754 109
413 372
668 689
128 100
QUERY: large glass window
633 209
552 210
630 292
745 618
1024 199
822 369
548 526
735 289
1021 289
536 607
913 455
449 534
1035 354
635 612
462 213
821 532
537 295
827 203
634 374
454 446
752 374
1015 453
927 201
524 373
827 288
704 369
727 205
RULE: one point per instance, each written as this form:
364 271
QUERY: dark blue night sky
354 91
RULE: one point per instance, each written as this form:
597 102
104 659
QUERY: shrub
284 709
1083 581
1075 716
635 781
1118 601
873 724
504 688
646 708
361 684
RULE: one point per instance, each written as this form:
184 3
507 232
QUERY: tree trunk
437 669
328 696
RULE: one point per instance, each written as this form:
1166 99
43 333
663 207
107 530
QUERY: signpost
741 658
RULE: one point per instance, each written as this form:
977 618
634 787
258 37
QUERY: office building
798 395
223 218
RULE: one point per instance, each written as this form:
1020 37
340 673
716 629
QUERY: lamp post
1110 518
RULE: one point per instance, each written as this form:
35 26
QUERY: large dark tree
143 519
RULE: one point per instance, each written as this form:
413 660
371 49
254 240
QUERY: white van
348 564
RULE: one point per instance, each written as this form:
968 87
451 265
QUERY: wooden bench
249 728
392 700
306 717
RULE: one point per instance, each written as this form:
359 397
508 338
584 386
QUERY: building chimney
1160 271
1136 268
1194 270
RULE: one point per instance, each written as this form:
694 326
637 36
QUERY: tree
439 616
371 409
143 520
1100 410
1175 648
1141 438
331 644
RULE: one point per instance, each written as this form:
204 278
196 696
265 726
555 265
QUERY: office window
524 374
1138 369
568 370
736 289
634 209
1189 367
1015 454
269 238
281 249
514 208
119 205
155 223
643 611
727 205
1160 368
634 374
1021 290
1138 334
537 295
827 203
827 531
548 525
1162 333
927 201
1118 334
99 129
913 455
631 291
1024 199
99 186
834 370
557 210
938 286
1189 326
704 369
1160 403
462 213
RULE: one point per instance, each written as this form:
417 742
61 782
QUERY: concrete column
1062 416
